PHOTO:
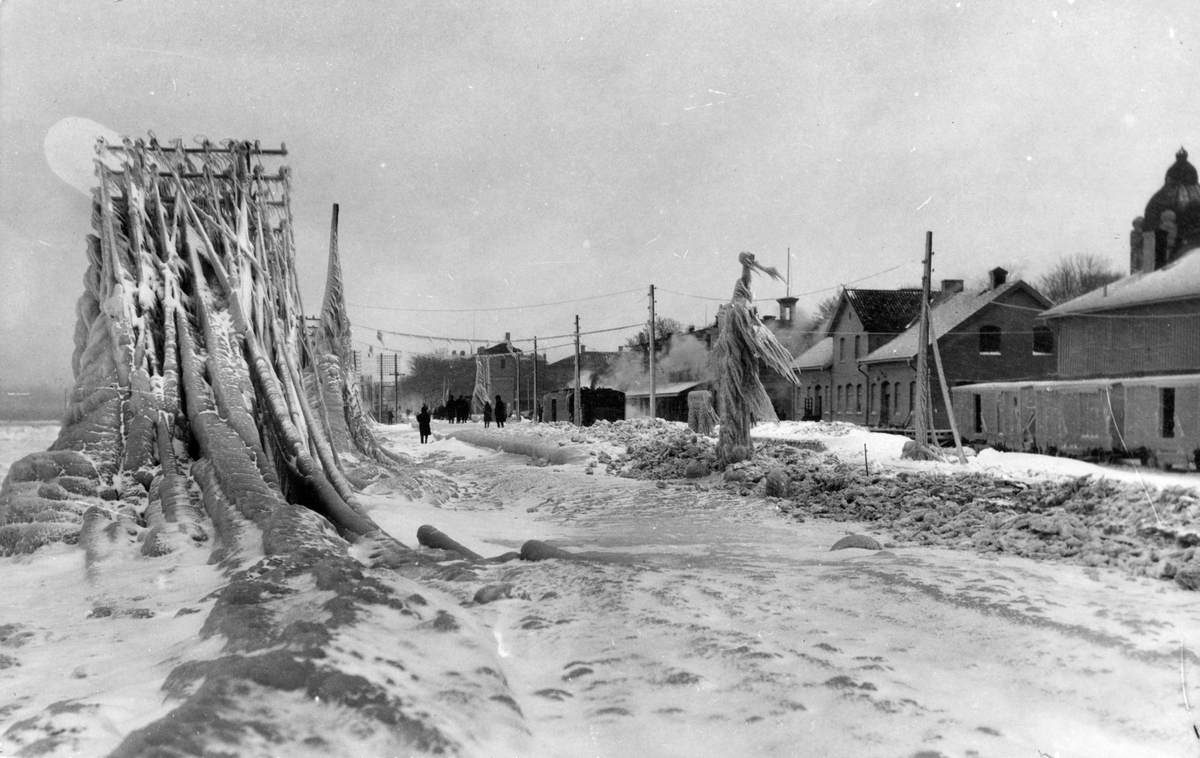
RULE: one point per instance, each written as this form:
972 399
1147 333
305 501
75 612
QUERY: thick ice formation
206 416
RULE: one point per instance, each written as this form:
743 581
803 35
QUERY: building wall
897 381
1143 421
1099 416
809 396
961 350
964 362
1130 342
848 391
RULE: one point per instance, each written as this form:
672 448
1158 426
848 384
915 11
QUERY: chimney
952 285
787 309
997 277
508 336
1136 243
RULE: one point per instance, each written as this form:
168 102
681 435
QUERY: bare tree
431 376
1075 275
824 312
664 327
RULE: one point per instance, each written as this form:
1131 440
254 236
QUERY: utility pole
789 279
396 383
578 394
921 412
653 387
534 411
379 418
517 398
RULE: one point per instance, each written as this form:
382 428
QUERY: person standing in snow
501 413
487 414
423 423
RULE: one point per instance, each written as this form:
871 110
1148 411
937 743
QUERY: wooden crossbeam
196 150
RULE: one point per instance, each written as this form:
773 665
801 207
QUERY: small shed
670 400
599 404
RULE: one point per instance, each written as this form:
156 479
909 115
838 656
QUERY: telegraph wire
801 294
473 340
486 310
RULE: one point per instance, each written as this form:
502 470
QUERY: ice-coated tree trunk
742 342
702 419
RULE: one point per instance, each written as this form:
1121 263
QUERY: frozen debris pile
1082 520
675 453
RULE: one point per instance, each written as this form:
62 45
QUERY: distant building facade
863 370
1128 354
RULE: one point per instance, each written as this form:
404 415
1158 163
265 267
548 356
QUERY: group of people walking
459 411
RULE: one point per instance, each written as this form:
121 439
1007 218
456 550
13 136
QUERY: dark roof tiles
885 310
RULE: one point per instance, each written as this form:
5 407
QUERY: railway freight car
1154 418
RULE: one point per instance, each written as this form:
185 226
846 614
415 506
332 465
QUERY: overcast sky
490 155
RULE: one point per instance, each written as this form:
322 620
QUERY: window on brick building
989 340
1166 410
1043 341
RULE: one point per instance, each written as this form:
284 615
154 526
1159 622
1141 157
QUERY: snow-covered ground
848 442
730 631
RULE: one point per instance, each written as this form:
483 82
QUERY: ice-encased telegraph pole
653 386
921 429
578 415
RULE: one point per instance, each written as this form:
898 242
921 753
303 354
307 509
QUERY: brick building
864 370
983 336
1128 357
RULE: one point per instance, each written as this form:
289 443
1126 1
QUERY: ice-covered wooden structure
190 348
206 419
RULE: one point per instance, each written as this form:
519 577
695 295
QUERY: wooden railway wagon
1154 418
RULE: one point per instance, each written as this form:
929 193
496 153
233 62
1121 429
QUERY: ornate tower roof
1179 194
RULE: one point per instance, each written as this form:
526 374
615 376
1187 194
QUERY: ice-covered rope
1145 490
1183 685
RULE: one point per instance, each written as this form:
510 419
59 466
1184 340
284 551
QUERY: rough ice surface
736 633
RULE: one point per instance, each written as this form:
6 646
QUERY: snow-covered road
733 631
739 633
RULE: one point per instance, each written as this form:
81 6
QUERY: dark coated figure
501 413
423 423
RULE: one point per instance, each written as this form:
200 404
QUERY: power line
594 331
484 310
473 340
802 294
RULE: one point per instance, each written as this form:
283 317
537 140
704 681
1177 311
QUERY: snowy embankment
513 441
1145 523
